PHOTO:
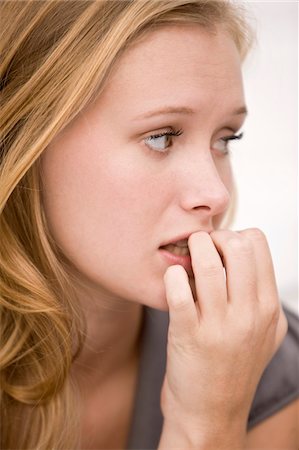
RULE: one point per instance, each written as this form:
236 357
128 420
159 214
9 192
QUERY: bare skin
112 196
101 166
220 342
278 432
106 416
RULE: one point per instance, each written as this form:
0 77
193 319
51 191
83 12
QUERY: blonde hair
56 56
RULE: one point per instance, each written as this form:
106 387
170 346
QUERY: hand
222 336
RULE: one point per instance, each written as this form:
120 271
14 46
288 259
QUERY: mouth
177 253
180 248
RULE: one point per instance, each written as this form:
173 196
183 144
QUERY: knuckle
271 313
216 233
246 327
238 245
283 326
274 314
209 270
247 334
186 342
254 234
217 341
271 319
179 303
195 236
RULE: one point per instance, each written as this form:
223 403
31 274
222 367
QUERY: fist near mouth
224 328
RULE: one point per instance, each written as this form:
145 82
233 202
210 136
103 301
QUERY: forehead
182 63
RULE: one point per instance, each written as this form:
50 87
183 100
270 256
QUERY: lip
181 237
182 260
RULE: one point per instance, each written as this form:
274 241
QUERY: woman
115 181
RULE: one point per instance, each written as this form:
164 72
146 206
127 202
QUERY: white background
265 162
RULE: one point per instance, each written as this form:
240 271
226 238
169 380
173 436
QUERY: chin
161 306
156 301
159 301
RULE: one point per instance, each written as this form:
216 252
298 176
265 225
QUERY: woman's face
113 194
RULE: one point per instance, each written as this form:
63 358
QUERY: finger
266 281
240 265
266 285
209 275
183 317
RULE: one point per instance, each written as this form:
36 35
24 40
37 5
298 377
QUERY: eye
222 144
162 141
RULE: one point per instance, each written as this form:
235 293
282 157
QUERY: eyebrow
182 110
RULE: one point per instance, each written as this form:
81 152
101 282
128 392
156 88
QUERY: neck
112 338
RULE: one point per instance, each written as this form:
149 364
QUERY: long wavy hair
55 59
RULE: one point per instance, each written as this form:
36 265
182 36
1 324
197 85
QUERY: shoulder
278 385
280 431
274 412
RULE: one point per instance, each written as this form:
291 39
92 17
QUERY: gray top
278 386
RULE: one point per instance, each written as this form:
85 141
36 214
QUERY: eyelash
175 133
234 137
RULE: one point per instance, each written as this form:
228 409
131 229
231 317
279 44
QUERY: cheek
102 212
226 175
227 178
95 201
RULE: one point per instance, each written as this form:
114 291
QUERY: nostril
202 207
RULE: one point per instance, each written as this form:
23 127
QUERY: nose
206 187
